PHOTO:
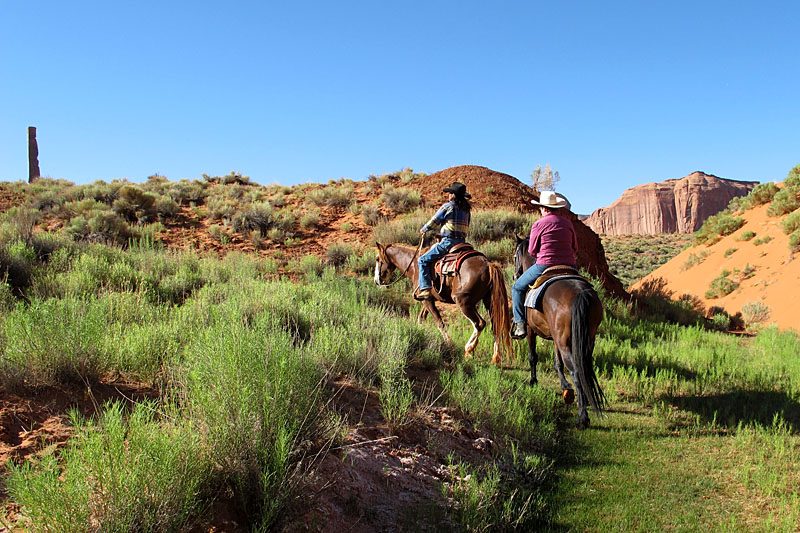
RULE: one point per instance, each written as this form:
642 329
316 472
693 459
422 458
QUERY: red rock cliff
672 206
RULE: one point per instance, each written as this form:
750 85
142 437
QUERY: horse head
522 261
384 267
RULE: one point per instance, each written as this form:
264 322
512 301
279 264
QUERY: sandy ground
775 278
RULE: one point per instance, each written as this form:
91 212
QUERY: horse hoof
569 396
534 382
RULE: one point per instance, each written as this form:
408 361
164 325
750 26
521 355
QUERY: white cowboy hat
551 199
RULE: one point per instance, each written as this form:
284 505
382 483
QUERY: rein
410 262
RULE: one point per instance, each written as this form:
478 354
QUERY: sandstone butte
671 206
775 279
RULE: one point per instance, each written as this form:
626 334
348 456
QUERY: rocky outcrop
672 206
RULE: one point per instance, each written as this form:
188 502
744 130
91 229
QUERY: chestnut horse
571 313
477 280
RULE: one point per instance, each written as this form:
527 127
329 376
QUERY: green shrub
400 200
497 224
166 208
721 286
755 313
260 216
402 230
309 219
747 235
121 473
762 194
218 208
332 195
694 259
371 215
337 254
54 342
791 223
762 240
785 201
256 396
729 252
135 204
717 226
794 241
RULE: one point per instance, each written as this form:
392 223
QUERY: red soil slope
766 273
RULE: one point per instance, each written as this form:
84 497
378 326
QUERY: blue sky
611 94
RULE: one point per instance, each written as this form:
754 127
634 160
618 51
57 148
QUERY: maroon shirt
553 241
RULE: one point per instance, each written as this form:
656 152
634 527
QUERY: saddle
552 272
535 294
450 263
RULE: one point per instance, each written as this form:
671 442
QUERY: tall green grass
119 473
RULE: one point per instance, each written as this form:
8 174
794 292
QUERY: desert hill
671 206
755 262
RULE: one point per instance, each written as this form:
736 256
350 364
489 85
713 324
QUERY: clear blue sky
612 94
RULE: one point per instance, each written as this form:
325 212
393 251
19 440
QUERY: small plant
721 286
694 259
729 252
332 195
309 220
794 241
791 223
396 394
748 271
354 208
717 226
347 227
785 201
747 235
371 215
755 313
337 254
762 240
400 200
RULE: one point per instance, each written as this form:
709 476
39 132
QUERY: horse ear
381 247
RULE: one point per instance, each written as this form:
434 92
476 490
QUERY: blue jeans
520 289
426 262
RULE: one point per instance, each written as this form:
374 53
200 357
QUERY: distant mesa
671 206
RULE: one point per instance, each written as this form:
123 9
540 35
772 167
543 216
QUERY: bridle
410 262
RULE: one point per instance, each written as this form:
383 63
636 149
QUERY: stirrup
422 295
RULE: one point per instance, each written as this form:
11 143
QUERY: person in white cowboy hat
454 220
552 242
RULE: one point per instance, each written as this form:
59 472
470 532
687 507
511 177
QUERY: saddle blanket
534 297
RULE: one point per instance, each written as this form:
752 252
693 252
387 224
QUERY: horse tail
583 346
501 321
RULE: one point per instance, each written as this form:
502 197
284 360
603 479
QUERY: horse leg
423 314
566 356
533 358
478 323
431 308
558 363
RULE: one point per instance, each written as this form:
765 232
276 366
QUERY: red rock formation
672 206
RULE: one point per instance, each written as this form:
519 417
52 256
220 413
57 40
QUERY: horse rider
552 242
454 219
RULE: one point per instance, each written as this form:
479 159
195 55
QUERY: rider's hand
422 232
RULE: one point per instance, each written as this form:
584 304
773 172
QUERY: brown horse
571 313
477 280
